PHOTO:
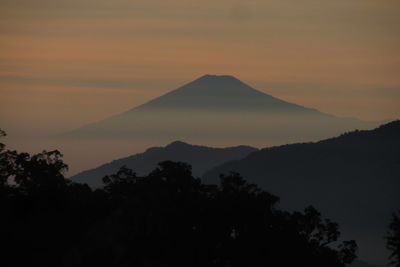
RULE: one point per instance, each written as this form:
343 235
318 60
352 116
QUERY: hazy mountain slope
221 93
218 110
200 157
353 179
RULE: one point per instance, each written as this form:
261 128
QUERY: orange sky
66 63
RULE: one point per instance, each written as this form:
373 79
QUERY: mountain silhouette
221 93
354 178
218 110
200 157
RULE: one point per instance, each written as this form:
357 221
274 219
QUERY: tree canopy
165 218
393 240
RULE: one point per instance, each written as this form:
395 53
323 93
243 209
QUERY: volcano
220 93
219 110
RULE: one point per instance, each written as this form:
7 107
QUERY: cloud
133 84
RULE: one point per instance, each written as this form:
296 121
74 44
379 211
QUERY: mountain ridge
353 178
200 157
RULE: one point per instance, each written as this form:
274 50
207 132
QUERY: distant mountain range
353 179
218 110
201 159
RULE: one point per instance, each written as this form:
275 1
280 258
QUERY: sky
65 63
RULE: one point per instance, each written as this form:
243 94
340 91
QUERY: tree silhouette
5 162
169 218
393 240
43 214
166 218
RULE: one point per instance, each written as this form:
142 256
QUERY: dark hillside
355 178
201 159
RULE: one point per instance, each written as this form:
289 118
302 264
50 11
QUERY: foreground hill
353 178
218 110
200 157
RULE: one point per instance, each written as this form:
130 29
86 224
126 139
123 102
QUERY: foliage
393 240
166 218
